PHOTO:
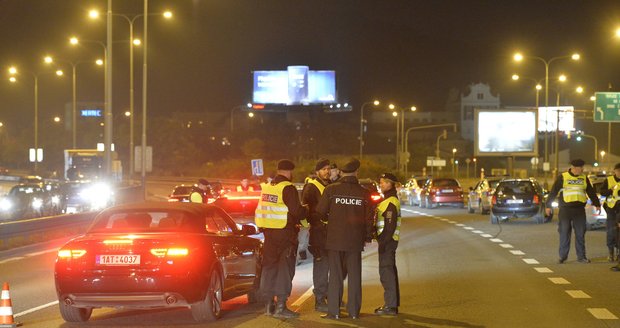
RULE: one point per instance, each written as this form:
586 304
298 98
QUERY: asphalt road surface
456 270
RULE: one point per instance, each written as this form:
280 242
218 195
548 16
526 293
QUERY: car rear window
147 221
445 183
515 188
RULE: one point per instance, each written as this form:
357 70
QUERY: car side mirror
247 230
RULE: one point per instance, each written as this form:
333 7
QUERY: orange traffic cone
6 308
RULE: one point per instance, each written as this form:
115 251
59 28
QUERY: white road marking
577 294
543 270
445 220
11 259
486 235
517 252
468 228
602 313
559 281
477 231
460 225
453 222
496 240
531 261
42 252
303 297
506 245
40 307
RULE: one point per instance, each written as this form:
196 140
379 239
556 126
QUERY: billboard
548 116
506 133
298 85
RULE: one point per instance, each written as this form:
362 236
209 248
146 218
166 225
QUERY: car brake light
161 252
535 200
71 253
173 199
375 197
494 200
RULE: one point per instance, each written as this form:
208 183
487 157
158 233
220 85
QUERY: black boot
384 310
320 305
283 312
270 307
611 256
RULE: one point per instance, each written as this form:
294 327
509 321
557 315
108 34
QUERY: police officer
574 189
388 233
311 195
610 190
245 186
334 172
346 206
278 213
200 194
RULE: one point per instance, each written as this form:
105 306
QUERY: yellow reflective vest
574 188
614 186
321 188
381 208
271 211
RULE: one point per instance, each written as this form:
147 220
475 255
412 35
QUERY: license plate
447 190
514 201
117 259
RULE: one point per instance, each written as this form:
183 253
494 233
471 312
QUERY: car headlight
554 204
55 200
5 204
37 203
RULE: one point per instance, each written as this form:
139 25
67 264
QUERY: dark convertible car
158 255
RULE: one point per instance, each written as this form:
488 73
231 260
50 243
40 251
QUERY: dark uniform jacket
605 190
557 186
347 208
311 196
390 217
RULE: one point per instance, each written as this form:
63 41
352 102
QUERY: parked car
480 195
441 191
409 193
158 255
373 187
519 198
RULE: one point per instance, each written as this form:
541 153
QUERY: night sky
406 52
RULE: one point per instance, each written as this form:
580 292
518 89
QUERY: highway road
456 270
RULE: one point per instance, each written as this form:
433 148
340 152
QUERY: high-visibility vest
271 211
321 188
574 188
196 197
614 186
240 188
381 208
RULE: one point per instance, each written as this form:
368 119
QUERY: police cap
351 166
203 182
577 162
286 165
389 176
617 166
321 163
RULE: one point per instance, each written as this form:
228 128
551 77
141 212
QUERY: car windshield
445 183
147 221
25 190
515 188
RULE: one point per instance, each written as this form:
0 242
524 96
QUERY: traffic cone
6 308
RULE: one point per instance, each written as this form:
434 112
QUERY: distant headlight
55 200
5 204
37 203
98 195
554 204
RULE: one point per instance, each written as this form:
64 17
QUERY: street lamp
375 103
13 71
395 114
538 87
232 110
519 57
453 153
475 160
579 137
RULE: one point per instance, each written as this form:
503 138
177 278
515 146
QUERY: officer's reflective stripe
613 185
381 208
271 211
574 188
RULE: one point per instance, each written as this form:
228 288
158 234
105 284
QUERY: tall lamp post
395 114
579 137
453 163
519 57
376 103
232 117
13 72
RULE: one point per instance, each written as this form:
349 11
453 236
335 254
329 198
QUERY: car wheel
469 208
74 314
494 219
210 309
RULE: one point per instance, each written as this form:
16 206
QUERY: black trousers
278 265
320 262
388 273
572 218
612 227
341 262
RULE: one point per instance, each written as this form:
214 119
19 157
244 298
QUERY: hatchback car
158 255
441 191
480 195
518 198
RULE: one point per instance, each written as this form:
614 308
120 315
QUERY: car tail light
375 198
173 199
161 252
494 200
535 200
71 253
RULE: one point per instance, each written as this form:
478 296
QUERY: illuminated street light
12 79
579 89
394 114
56 119
538 87
127 113
250 115
12 70
391 106
59 72
518 57
93 14
515 77
137 42
376 103
562 78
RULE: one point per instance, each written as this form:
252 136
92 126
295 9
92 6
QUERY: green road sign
607 107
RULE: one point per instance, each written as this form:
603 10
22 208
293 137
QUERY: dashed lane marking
11 259
468 228
602 313
486 235
452 222
496 240
531 261
543 270
506 245
42 252
478 231
517 252
559 281
460 225
577 294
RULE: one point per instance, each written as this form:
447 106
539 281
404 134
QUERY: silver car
480 195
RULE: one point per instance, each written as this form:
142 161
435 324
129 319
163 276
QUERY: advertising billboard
506 133
548 116
298 85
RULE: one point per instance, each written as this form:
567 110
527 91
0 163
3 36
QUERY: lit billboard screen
506 133
296 86
548 116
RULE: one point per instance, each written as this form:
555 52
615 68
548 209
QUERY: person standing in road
201 193
334 172
277 215
347 208
388 234
610 188
573 190
310 196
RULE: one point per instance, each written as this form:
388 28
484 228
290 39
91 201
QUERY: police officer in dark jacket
347 208
388 234
573 190
310 196
278 213
610 189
